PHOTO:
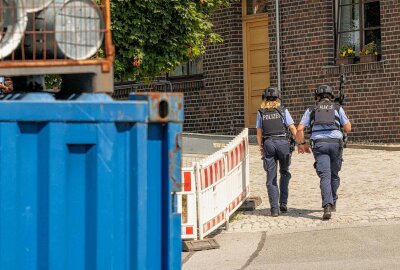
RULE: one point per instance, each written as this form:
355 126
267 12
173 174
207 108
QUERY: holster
292 142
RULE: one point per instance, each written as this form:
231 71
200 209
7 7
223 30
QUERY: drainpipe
278 44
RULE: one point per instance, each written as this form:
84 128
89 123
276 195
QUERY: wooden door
256 64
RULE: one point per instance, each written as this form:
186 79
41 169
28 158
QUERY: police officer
273 126
326 121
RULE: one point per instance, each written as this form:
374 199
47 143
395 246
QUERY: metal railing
123 89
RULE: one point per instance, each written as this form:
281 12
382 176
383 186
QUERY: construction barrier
222 185
238 171
187 204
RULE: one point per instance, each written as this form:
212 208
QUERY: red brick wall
307 45
219 106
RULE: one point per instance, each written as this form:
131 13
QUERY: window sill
359 67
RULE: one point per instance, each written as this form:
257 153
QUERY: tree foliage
155 36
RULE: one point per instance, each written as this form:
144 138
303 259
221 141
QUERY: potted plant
369 53
346 55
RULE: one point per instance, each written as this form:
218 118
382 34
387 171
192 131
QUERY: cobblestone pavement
369 193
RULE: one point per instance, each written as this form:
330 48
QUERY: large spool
13 21
74 30
36 5
79 29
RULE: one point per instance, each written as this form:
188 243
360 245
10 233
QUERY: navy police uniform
325 121
274 124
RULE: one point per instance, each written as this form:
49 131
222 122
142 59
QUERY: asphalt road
361 247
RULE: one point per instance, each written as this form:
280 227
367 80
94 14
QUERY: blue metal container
90 183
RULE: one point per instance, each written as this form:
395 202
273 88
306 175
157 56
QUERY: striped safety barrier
187 204
221 186
239 185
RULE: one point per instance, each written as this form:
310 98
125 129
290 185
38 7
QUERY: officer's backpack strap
289 136
337 118
312 116
282 111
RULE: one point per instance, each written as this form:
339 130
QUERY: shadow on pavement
305 213
292 212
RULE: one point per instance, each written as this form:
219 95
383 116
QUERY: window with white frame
358 23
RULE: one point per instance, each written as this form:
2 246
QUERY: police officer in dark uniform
327 121
274 123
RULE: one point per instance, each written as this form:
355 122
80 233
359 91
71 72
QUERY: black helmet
323 89
271 93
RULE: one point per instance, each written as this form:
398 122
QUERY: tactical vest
324 114
273 122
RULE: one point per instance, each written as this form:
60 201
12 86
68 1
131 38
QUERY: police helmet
323 90
271 93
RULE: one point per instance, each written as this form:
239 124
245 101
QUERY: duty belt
340 141
276 138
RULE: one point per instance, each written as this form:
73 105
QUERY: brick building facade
308 33
215 102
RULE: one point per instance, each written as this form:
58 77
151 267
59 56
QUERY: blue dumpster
90 183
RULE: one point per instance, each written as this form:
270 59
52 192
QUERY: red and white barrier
211 193
187 204
238 172
222 185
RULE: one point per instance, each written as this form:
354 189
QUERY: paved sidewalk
369 193
364 247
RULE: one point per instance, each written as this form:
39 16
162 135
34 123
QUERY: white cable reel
74 28
79 28
13 21
36 5
75 25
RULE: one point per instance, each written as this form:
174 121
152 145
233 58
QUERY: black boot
283 207
327 212
334 205
274 212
